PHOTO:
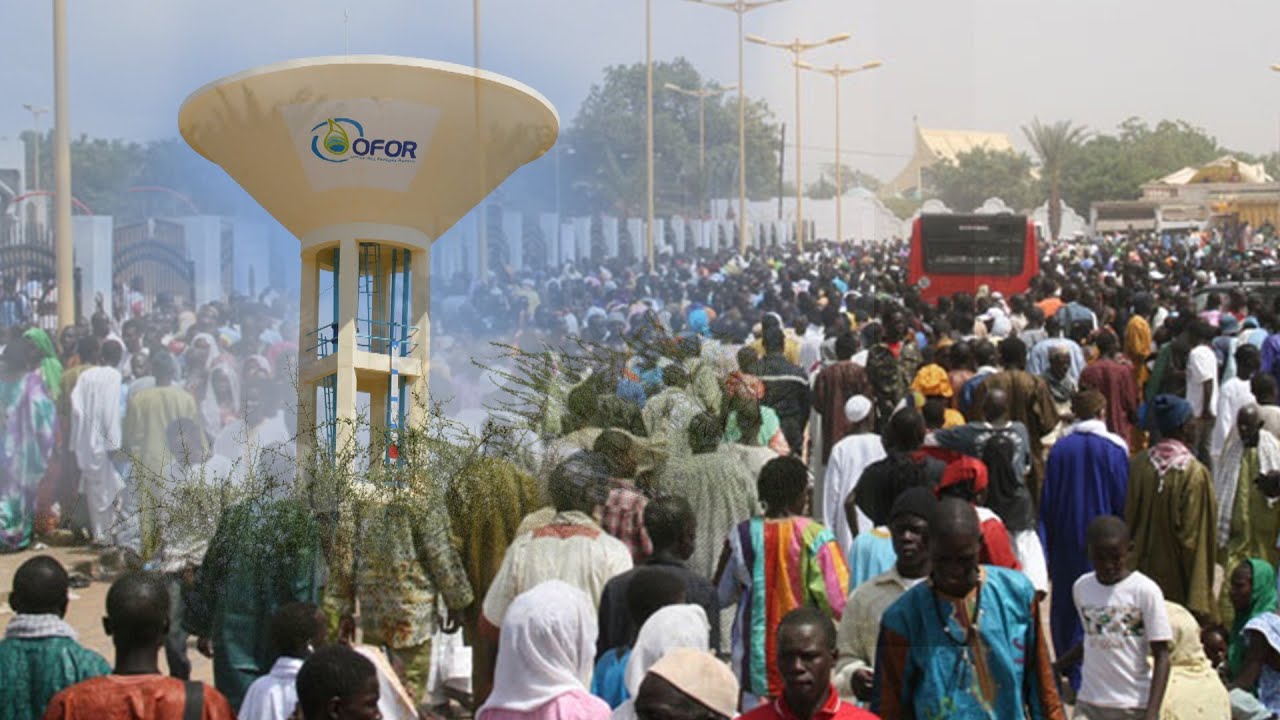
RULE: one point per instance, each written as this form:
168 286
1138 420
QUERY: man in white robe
849 457
95 439
1234 395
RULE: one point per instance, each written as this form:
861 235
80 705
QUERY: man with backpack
1004 446
1027 401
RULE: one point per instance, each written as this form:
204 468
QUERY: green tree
1114 166
979 174
825 186
103 171
823 189
903 207
608 138
1053 144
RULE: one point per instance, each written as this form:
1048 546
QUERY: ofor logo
340 139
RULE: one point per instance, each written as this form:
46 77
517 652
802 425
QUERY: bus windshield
973 245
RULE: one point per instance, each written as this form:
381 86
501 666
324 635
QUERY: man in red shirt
138 623
806 654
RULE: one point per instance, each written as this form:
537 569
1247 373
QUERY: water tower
367 160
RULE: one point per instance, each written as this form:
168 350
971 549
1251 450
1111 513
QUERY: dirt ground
87 606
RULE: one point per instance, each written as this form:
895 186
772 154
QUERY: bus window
954 253
977 248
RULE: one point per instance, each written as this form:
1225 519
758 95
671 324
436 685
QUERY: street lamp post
648 130
798 47
62 171
740 8
36 111
837 73
702 94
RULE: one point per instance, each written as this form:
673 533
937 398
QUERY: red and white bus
960 253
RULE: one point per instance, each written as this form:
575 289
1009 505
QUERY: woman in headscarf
49 492
257 367
50 366
672 627
213 381
1194 692
26 441
198 359
221 401
1252 588
1259 676
546 645
752 424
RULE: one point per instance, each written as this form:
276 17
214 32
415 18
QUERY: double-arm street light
797 48
36 111
837 73
702 94
740 8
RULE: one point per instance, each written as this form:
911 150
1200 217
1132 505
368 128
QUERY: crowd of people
781 487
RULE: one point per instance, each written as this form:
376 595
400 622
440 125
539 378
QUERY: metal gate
27 256
151 258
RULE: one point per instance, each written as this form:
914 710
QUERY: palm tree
1054 144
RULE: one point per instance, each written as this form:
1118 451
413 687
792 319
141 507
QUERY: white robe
274 695
1232 396
95 434
249 448
1226 474
850 456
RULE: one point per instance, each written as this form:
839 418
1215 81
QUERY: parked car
1268 290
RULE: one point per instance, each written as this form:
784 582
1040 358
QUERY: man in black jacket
786 388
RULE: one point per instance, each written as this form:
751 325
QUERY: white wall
203 236
251 257
93 245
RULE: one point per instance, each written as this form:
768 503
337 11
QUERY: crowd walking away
781 485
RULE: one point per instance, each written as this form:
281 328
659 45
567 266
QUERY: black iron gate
151 258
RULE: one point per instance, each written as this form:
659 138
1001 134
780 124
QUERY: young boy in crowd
1125 620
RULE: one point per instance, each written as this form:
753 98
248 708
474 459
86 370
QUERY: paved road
86 608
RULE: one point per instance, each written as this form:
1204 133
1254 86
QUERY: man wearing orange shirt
138 623
1051 302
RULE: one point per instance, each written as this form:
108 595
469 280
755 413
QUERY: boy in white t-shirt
1124 620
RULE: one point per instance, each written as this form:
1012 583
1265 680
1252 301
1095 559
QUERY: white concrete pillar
549 223
94 247
203 236
568 243
635 227
610 227
513 228
582 233
251 258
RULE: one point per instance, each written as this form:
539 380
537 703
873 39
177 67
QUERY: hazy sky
977 64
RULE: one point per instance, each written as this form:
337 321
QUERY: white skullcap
857 408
